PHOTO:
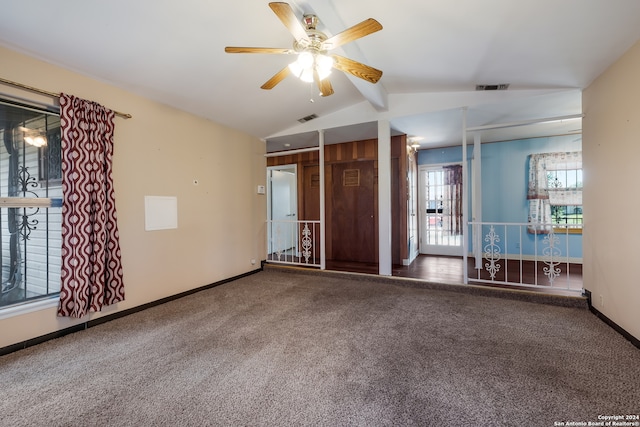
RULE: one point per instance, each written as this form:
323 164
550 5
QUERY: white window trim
29 307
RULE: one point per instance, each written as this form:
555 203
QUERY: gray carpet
278 348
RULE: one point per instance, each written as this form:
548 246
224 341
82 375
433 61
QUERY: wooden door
353 213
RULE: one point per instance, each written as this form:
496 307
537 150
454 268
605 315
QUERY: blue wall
441 155
504 183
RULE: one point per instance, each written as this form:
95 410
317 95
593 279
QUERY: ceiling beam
526 122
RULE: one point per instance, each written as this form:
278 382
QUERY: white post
465 202
385 259
477 199
323 243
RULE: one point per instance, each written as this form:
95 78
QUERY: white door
440 197
282 210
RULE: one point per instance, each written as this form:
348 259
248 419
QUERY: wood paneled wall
310 157
345 152
365 150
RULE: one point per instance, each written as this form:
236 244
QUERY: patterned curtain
540 196
91 274
453 179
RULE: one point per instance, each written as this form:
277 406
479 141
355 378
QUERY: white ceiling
432 52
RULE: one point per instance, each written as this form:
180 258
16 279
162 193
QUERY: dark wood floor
449 270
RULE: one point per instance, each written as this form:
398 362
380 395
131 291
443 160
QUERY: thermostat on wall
261 189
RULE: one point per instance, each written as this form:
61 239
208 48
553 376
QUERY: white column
323 231
465 201
476 198
384 198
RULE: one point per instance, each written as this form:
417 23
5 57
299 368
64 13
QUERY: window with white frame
30 204
555 192
566 206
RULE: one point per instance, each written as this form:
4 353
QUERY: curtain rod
53 94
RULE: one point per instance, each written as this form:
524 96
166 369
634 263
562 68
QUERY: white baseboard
412 258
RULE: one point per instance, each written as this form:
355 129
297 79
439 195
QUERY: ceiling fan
313 63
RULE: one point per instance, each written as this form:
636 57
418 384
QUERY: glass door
441 209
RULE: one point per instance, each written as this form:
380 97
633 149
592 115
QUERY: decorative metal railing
544 256
294 242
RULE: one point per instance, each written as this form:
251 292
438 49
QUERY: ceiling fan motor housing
310 21
315 41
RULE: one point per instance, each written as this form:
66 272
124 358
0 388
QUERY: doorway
353 207
440 197
282 207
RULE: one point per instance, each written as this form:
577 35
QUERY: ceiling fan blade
236 49
277 78
289 19
356 68
324 85
360 30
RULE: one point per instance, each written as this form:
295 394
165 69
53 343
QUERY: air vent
307 118
503 86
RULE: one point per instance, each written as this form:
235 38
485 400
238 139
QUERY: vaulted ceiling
433 54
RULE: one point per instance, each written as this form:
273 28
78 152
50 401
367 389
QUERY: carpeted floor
280 349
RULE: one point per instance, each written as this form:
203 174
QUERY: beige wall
159 152
611 162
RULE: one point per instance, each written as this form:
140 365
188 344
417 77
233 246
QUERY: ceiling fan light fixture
307 75
305 59
304 66
295 69
324 64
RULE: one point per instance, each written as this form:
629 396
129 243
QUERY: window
566 209
30 204
50 160
555 192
